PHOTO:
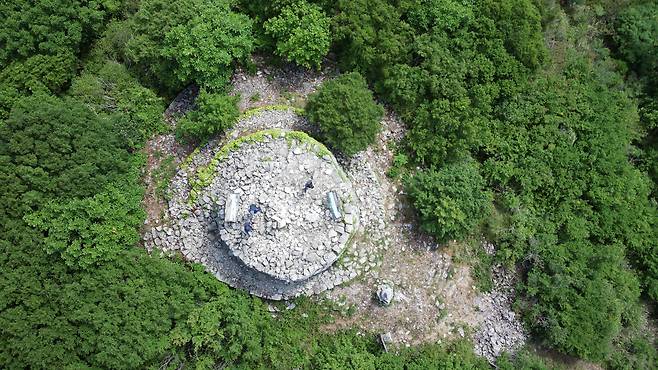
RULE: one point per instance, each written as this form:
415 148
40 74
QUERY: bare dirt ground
161 148
157 150
432 295
434 299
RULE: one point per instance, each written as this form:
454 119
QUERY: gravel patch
501 330
434 298
191 233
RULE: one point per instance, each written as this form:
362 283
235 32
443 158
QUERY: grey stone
230 270
231 209
385 294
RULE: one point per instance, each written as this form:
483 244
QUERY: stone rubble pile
501 330
291 233
193 231
183 103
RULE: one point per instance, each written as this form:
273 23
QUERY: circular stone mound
273 192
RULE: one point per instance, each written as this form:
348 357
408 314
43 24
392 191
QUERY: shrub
637 36
135 111
451 201
207 45
173 42
465 58
346 113
301 32
215 114
525 360
88 232
344 351
398 166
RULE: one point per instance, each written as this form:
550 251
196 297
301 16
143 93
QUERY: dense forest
531 122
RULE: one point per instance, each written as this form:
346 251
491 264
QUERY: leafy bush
135 111
301 32
345 112
36 74
451 201
90 231
174 42
215 113
398 166
524 360
205 47
59 158
635 347
637 36
448 356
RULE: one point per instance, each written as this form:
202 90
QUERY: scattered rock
196 235
385 294
386 339
501 331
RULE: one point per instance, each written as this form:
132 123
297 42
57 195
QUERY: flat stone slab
273 213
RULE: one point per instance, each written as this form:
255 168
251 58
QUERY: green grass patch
277 107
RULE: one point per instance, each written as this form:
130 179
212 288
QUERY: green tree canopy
134 111
48 74
51 147
117 315
580 297
222 329
574 204
90 231
214 114
451 201
206 46
346 113
301 32
174 42
369 35
637 35
48 27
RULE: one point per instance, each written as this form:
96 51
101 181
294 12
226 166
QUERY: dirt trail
435 298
